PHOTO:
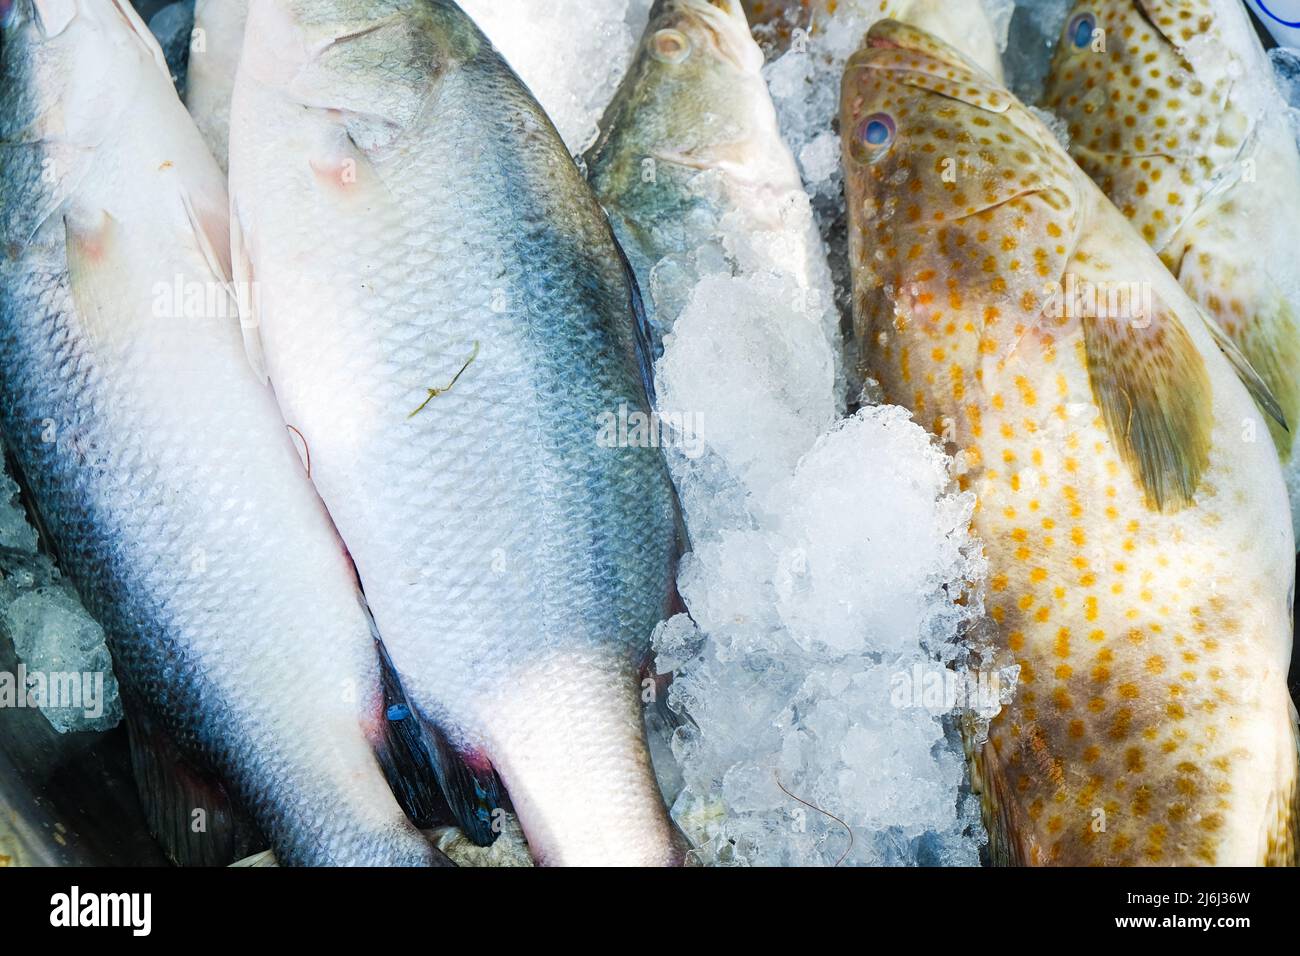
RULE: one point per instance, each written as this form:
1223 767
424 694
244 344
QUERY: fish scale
514 565
1179 123
210 76
170 489
1133 515
690 152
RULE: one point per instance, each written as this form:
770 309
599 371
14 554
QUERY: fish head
693 97
964 25
690 37
1146 89
371 64
963 207
68 66
69 72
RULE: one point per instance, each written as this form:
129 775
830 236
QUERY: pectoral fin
1264 386
1254 324
211 236
1154 392
189 811
96 274
241 265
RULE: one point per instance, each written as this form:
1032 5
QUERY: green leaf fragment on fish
435 392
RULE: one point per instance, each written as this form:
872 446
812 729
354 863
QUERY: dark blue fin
469 785
647 348
434 782
405 757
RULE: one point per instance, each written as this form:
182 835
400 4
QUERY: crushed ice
65 667
831 573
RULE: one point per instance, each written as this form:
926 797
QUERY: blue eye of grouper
1081 30
877 130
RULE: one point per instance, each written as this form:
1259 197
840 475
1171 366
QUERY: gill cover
957 201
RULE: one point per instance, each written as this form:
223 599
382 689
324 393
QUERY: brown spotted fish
1172 110
1131 505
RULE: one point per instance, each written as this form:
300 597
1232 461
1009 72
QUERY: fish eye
876 132
1081 29
872 137
670 46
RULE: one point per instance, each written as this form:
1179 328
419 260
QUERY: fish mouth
896 35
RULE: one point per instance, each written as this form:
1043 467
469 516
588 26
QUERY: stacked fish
318 439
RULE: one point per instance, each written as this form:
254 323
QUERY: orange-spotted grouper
1173 111
1131 505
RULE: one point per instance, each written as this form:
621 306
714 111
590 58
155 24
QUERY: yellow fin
1283 841
1272 357
1154 393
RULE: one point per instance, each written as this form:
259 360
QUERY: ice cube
67 669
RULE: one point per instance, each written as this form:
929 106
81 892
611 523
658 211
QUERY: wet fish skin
1134 522
450 353
160 465
212 70
1195 148
690 153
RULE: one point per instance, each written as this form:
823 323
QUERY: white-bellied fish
690 157
445 315
161 467
215 45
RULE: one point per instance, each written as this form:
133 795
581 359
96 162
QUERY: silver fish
161 467
214 59
690 154
446 317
